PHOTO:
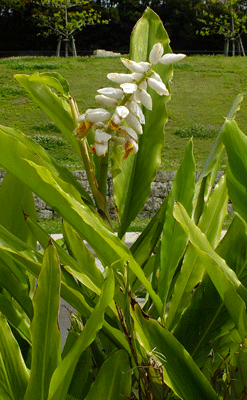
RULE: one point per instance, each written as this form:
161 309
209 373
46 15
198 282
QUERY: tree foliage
227 18
64 17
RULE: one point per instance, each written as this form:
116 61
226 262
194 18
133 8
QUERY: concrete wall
160 188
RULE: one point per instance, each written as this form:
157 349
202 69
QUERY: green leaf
81 270
46 340
83 256
15 286
52 79
16 139
28 259
206 179
132 177
144 245
62 376
224 279
113 381
55 107
236 146
192 269
66 201
14 374
174 239
15 318
217 148
15 199
206 318
180 372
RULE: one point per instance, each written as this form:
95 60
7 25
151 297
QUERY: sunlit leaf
46 340
13 371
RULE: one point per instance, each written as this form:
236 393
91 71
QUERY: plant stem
99 197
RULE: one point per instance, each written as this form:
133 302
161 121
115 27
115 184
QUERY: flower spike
127 99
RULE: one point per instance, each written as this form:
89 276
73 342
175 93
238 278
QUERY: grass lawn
203 89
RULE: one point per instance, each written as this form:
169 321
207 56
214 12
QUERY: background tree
63 18
227 18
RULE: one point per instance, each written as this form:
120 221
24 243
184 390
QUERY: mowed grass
203 89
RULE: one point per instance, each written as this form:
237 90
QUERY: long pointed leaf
113 381
64 372
132 184
208 174
46 340
15 318
236 146
13 137
14 286
66 200
180 371
174 239
56 108
15 199
206 318
217 148
12 365
192 269
231 290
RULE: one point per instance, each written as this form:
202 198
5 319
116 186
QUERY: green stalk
99 197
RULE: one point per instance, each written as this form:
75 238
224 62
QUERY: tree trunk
59 46
226 47
241 45
73 46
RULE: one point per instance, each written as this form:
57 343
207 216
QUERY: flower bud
129 88
107 101
100 145
141 96
136 110
171 58
119 115
133 66
96 115
156 53
133 122
120 78
111 92
158 86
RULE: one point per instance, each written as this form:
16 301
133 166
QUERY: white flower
101 136
129 88
133 65
171 58
141 96
89 118
156 76
136 76
96 115
158 86
119 115
136 110
120 78
111 92
131 140
156 53
128 132
133 122
143 85
100 145
107 101
145 65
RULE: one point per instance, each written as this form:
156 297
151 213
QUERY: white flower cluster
126 99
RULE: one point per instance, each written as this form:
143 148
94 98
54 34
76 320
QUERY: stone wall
160 188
